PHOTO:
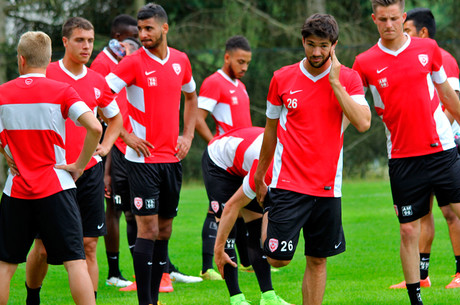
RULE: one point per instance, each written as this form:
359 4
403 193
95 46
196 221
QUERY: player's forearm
203 130
190 113
114 127
267 151
93 135
449 99
227 221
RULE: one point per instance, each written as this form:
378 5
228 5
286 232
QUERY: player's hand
261 190
101 150
335 67
182 147
74 171
12 165
139 145
108 186
221 258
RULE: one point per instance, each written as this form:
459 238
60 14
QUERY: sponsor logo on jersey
383 82
138 202
407 210
423 58
234 100
152 82
215 206
97 93
273 244
29 81
176 68
150 204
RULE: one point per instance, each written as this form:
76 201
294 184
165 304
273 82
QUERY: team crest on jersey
138 202
215 206
383 82
273 244
29 81
97 93
176 68
407 210
234 100
152 82
423 58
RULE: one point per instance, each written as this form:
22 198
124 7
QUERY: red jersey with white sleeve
33 111
104 63
227 100
154 88
94 91
405 98
309 149
237 152
452 71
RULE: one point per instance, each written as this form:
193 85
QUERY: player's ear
165 28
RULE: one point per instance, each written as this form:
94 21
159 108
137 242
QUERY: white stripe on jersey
431 89
65 179
443 129
338 176
223 113
206 103
140 132
111 110
190 86
277 163
223 152
115 83
252 153
28 116
377 99
273 112
135 97
8 184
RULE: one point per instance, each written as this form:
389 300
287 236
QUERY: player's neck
161 51
316 71
226 70
72 66
394 44
30 70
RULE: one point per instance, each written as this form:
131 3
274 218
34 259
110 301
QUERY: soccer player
39 195
78 38
309 105
115 175
420 22
224 96
402 73
155 76
226 164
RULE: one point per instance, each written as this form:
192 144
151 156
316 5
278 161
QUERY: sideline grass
361 275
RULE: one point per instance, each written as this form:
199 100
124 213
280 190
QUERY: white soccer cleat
178 277
117 282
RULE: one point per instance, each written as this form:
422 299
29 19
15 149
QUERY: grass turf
361 275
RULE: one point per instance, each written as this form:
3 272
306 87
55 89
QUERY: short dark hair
120 23
237 42
385 3
75 23
152 10
423 17
321 25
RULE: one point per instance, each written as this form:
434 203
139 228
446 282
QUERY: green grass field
361 275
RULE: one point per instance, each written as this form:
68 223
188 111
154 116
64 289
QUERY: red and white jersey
227 100
33 111
405 98
104 63
308 155
94 91
237 152
154 88
452 71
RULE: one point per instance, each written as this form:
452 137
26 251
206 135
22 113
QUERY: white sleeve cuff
273 112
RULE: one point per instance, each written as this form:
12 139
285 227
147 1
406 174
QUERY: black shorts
56 218
220 185
90 199
155 188
120 184
320 218
413 179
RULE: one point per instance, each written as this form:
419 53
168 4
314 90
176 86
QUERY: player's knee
277 263
450 216
409 231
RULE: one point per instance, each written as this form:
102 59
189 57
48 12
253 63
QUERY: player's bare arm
190 112
201 127
449 99
93 135
11 164
114 126
227 221
140 146
265 158
107 176
358 115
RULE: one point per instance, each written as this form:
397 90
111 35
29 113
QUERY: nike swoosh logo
148 73
149 263
232 91
338 245
292 92
381 70
162 263
100 226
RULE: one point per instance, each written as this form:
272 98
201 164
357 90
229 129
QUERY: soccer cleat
246 269
455 282
238 299
117 281
161 303
179 277
271 298
423 283
132 287
211 275
165 284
